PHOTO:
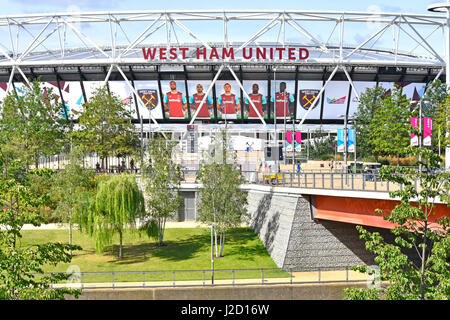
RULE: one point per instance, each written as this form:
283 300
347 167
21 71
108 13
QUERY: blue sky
353 35
33 6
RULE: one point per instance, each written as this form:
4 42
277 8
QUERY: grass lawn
185 249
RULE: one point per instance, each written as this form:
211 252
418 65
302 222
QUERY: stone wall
296 241
322 244
271 218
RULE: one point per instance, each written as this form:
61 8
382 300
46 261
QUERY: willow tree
115 207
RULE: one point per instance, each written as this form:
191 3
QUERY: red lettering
201 52
228 53
249 56
261 53
173 53
162 53
280 52
291 53
303 54
183 50
149 52
214 54
271 53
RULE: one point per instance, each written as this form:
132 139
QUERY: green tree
416 229
162 186
32 125
105 126
222 201
390 128
69 187
321 146
435 104
369 101
19 206
441 120
17 265
117 204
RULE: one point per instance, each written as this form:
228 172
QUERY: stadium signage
260 53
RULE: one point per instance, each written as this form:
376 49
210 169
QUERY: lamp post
345 141
275 112
212 254
345 137
420 102
445 7
142 139
353 121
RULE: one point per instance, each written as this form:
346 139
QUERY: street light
345 138
212 254
353 121
420 102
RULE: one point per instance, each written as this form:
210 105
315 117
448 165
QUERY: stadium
307 81
269 77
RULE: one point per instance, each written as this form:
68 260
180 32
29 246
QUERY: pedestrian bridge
335 196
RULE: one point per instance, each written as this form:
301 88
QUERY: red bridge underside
362 211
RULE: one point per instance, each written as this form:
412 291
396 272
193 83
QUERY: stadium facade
298 75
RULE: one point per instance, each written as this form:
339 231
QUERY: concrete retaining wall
327 291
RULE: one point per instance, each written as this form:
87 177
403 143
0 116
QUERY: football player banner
340 140
414 137
149 97
351 140
427 124
307 97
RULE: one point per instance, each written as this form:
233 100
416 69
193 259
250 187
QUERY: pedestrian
298 168
132 164
97 167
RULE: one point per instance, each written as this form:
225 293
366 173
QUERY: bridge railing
324 179
314 180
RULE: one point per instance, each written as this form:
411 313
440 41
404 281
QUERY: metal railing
190 278
336 179
313 180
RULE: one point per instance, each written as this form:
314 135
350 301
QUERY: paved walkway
297 278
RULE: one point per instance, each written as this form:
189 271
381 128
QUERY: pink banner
289 137
427 124
298 137
414 137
